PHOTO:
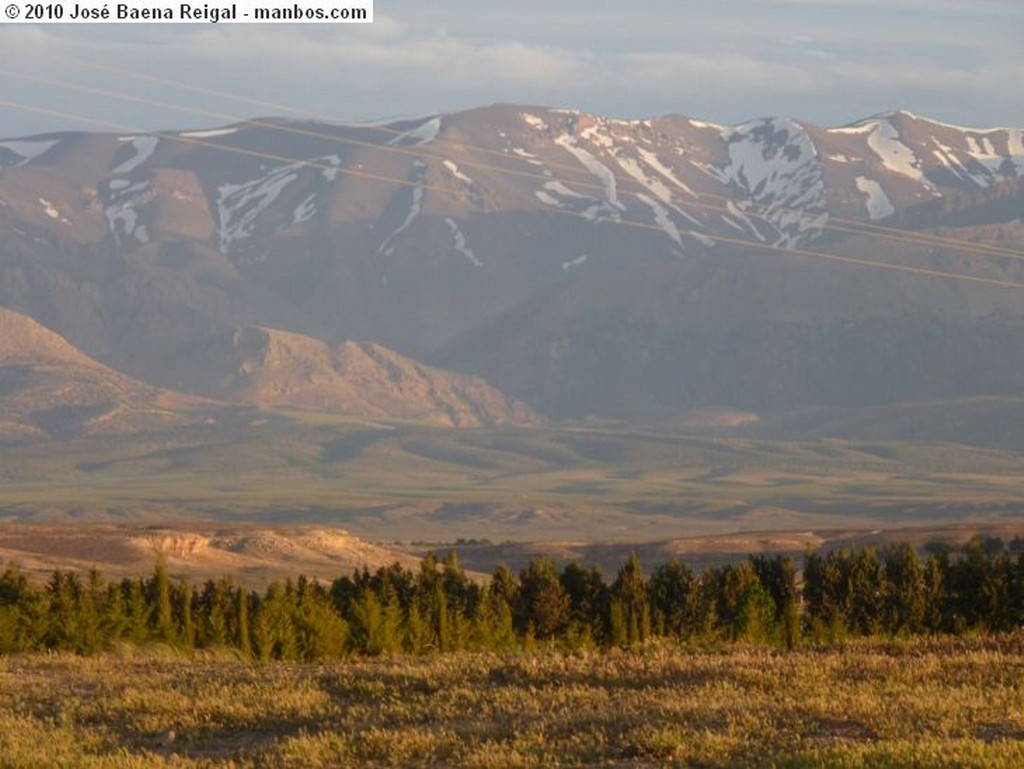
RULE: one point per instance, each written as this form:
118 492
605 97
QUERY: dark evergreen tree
462 597
867 590
274 633
974 589
243 639
319 632
543 603
734 582
588 605
184 616
630 592
64 596
138 610
217 612
938 611
777 574
675 596
505 585
755 619
493 628
113 616
706 620
827 594
162 610
905 599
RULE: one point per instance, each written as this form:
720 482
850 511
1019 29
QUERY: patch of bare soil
253 554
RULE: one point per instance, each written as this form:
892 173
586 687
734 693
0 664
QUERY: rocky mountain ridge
582 264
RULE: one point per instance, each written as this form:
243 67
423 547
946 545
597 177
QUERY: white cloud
729 71
757 57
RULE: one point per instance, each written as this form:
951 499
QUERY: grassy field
528 483
942 703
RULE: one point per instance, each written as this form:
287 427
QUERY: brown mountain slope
50 388
587 265
268 367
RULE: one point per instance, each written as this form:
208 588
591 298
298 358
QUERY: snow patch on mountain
701 238
662 219
977 157
596 134
547 199
878 204
208 134
529 157
856 129
144 147
598 169
415 208
896 156
979 145
330 174
121 220
420 135
121 215
652 160
980 162
305 211
27 150
992 163
51 211
239 205
453 169
736 211
120 188
775 165
655 186
459 239
560 189
533 121
557 195
599 212
947 158
1015 148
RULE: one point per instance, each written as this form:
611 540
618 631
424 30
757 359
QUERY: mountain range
511 264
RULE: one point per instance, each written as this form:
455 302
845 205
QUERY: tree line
764 599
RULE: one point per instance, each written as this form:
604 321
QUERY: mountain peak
49 387
270 367
504 242
22 338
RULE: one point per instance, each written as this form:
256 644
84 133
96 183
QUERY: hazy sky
826 61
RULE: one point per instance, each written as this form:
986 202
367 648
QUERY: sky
830 62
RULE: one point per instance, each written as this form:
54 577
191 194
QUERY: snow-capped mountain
586 264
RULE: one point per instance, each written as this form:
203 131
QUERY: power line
837 224
844 225
808 253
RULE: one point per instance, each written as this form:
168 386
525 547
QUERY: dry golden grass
915 703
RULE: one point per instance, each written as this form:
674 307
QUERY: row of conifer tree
764 599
